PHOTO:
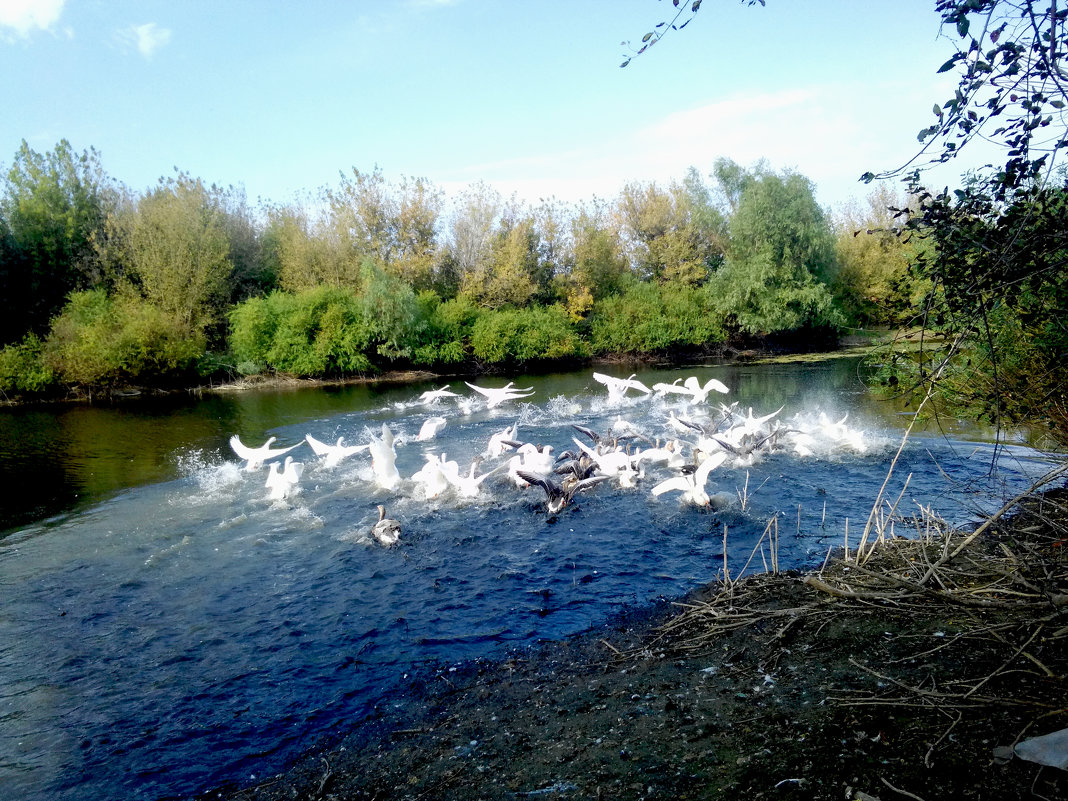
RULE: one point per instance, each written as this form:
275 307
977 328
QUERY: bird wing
671 388
551 490
700 476
320 448
717 385
241 449
677 483
607 380
634 383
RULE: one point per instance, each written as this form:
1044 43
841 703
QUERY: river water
166 628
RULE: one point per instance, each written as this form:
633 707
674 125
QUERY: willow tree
779 259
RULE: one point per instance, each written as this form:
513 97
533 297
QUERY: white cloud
147 38
831 134
23 16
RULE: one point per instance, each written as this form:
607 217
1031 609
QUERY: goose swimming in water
283 483
386 531
331 455
255 457
559 495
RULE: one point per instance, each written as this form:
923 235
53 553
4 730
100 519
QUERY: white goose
431 428
699 392
384 460
283 483
500 442
692 486
468 486
495 396
331 455
432 395
617 387
433 476
255 457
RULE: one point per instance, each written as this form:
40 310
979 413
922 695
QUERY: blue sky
524 95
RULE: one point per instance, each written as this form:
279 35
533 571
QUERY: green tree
671 234
875 281
507 277
175 250
53 205
779 260
394 227
306 252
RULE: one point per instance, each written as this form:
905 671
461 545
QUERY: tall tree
779 260
53 205
176 251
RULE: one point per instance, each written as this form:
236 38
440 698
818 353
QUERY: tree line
101 286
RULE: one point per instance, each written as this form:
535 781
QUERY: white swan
692 486
431 428
617 387
384 460
469 485
283 483
255 457
495 396
432 395
387 530
331 455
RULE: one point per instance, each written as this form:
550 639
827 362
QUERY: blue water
168 629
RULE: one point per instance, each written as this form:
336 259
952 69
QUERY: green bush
444 337
521 335
654 317
23 369
319 332
101 341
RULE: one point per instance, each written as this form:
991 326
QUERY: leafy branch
663 28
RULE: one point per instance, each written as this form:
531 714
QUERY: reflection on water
173 629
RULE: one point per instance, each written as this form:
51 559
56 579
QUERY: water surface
166 628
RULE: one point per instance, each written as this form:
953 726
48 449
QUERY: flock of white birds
699 437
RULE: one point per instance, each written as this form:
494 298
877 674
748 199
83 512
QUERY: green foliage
523 335
100 341
648 318
999 292
780 255
23 369
52 206
875 282
319 332
390 311
444 337
175 247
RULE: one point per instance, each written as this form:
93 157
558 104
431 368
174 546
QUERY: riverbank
906 674
751 353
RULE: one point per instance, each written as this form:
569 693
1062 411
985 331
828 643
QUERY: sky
526 96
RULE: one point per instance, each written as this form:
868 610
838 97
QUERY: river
166 628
